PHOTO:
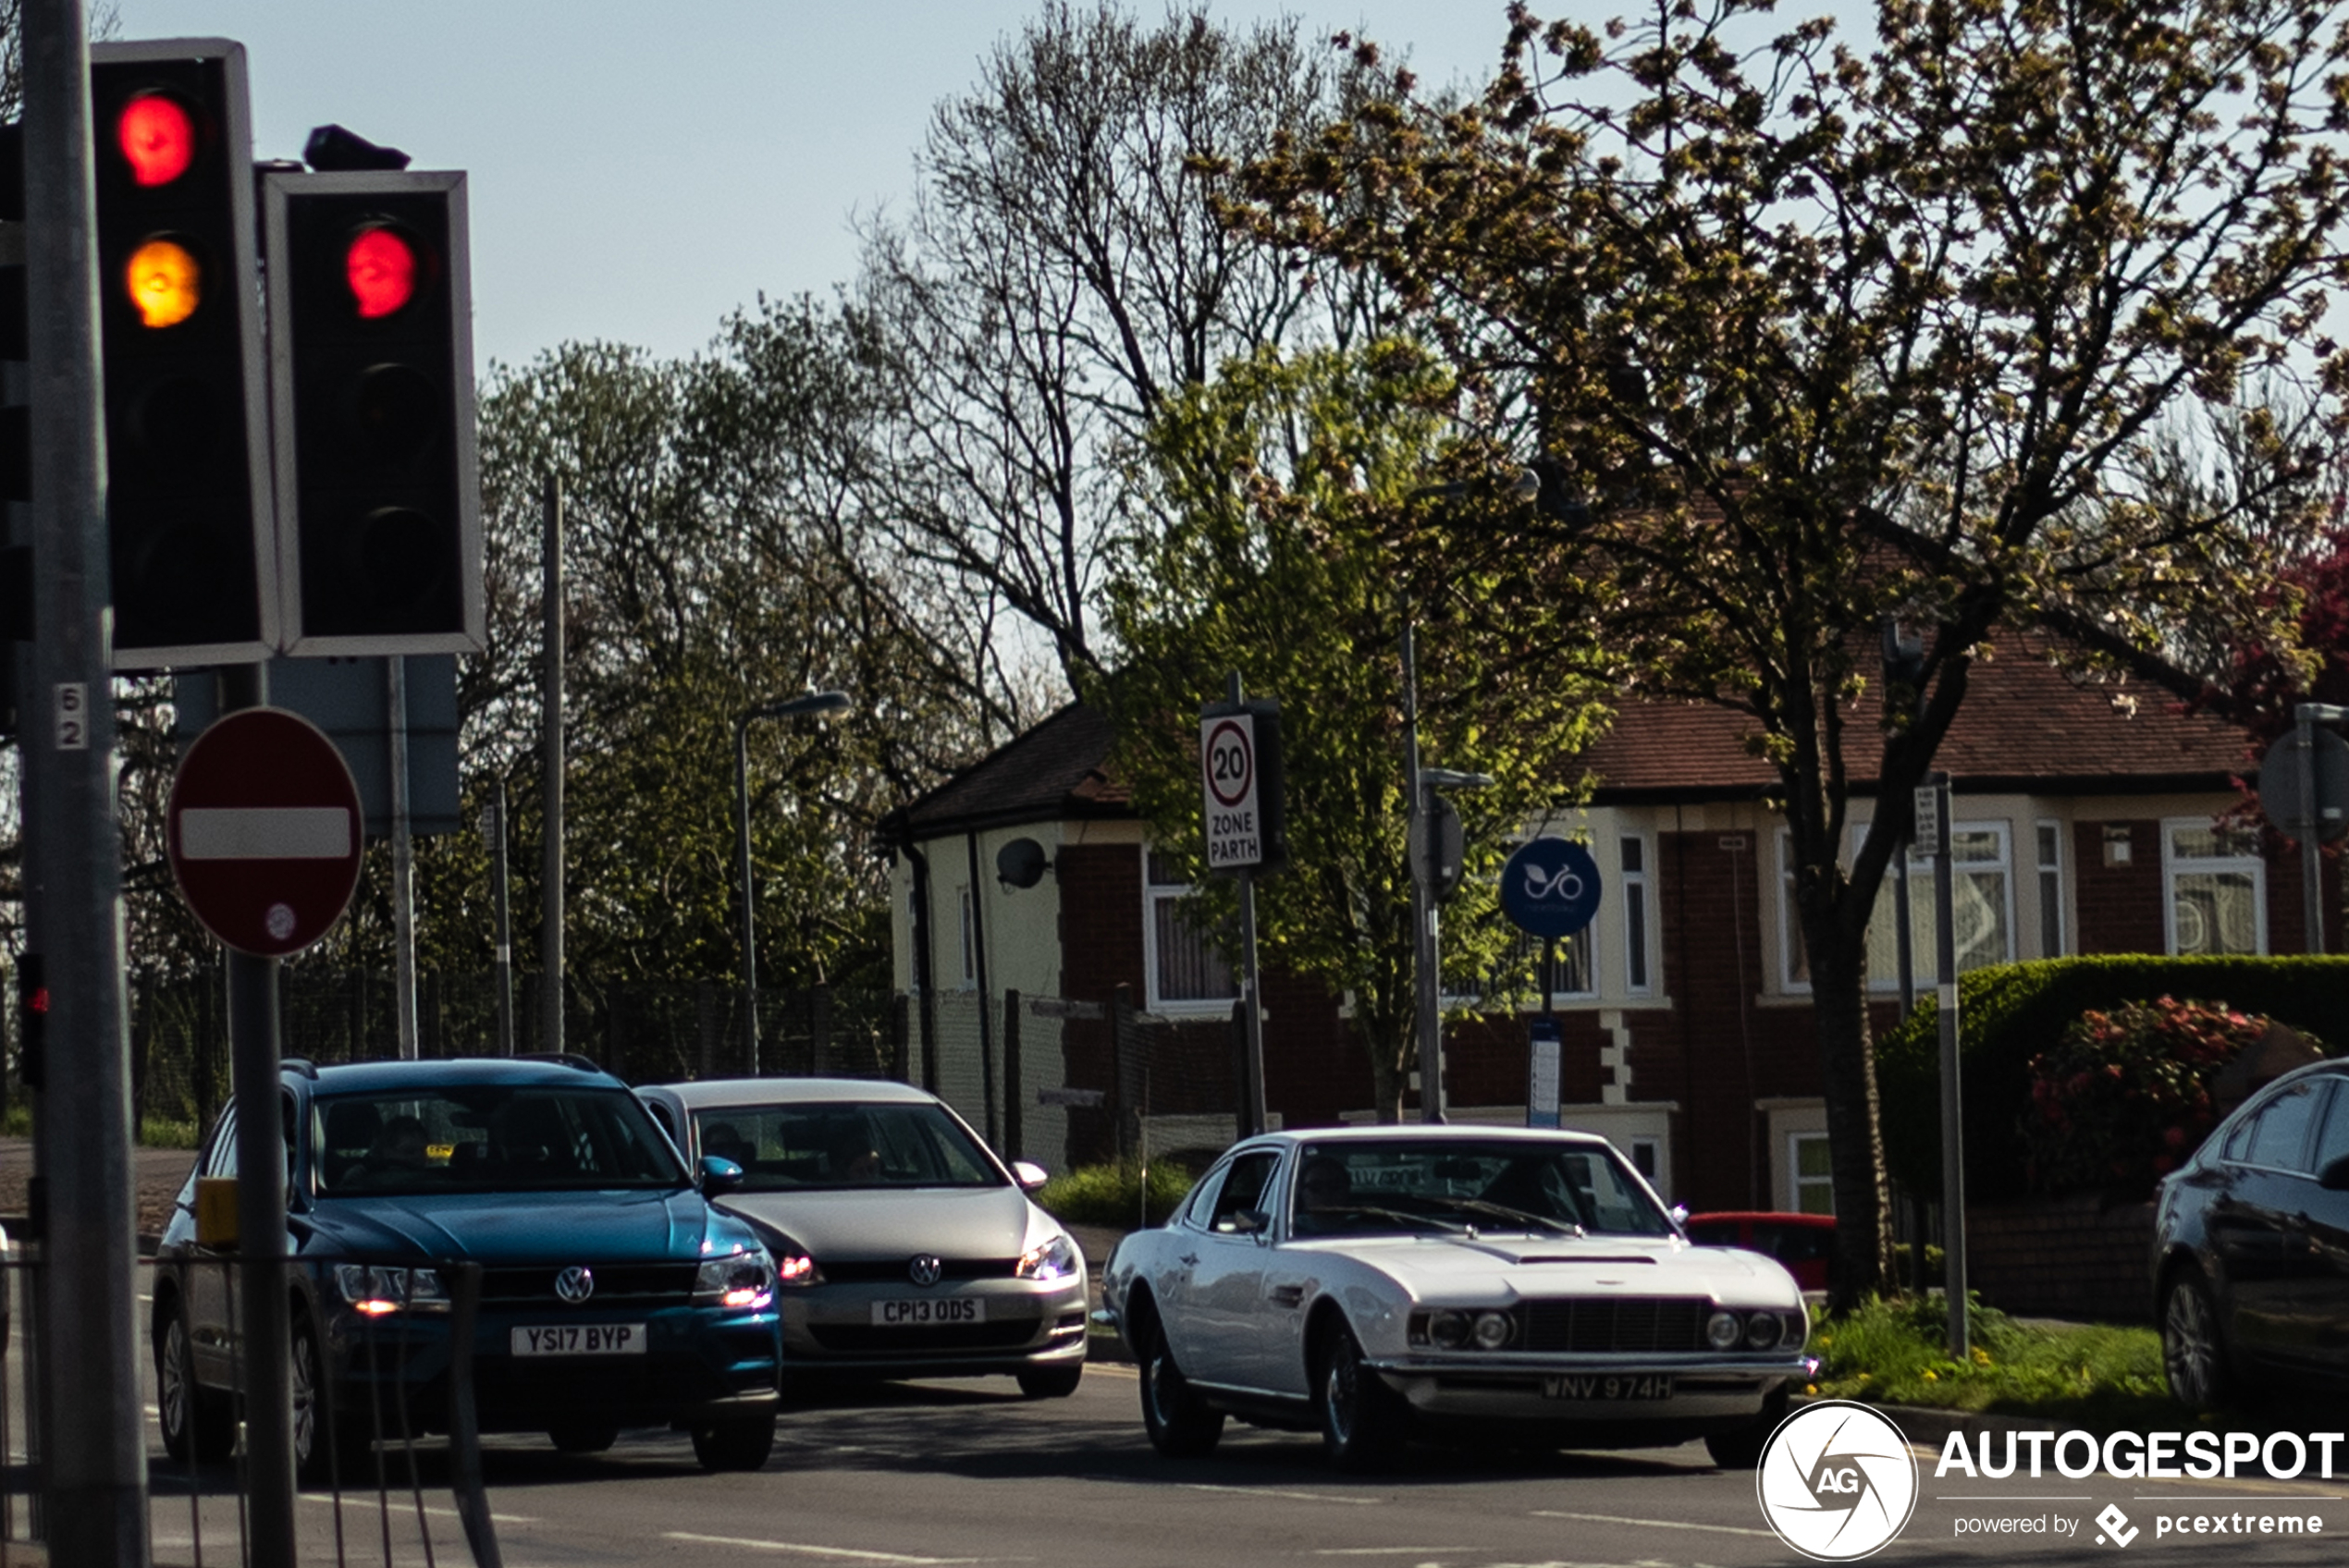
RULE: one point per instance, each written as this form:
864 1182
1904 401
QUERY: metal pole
499 889
1904 928
264 1318
2312 869
749 921
550 918
94 1466
1427 1009
1251 981
403 857
1945 973
978 959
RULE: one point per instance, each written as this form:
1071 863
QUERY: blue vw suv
612 1294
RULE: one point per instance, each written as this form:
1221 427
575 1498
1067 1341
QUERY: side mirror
2334 1177
1251 1222
1029 1175
1680 1215
718 1175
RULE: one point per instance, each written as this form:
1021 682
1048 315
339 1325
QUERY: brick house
2083 823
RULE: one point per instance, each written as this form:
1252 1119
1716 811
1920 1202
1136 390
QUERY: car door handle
1189 1259
1290 1296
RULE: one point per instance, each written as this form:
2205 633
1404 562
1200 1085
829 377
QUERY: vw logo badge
925 1269
575 1284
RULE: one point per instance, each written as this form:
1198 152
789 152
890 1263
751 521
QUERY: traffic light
372 384
192 539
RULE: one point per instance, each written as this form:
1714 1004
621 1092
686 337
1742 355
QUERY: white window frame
2050 888
1640 927
1888 887
1796 1181
1531 1001
1154 894
2172 864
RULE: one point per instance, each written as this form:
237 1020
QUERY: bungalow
1065 1004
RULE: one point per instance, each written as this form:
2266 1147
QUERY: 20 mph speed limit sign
1227 763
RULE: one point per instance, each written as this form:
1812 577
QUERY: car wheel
2194 1347
735 1445
1741 1447
1051 1382
1361 1428
316 1433
197 1422
1180 1424
584 1437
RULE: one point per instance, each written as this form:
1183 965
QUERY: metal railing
378 1468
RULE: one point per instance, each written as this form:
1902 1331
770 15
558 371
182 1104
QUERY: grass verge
1896 1353
1112 1194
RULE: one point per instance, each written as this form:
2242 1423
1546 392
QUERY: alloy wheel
2190 1344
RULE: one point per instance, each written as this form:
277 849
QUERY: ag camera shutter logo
1836 1481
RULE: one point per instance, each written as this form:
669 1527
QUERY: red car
1802 1241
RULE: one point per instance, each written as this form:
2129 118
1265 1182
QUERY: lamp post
787 707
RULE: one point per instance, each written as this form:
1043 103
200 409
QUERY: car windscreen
789 1149
479 1137
1429 1186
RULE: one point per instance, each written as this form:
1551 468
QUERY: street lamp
787 707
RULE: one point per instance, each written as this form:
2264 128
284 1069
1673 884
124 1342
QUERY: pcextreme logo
1837 1480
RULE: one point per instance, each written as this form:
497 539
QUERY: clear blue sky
638 170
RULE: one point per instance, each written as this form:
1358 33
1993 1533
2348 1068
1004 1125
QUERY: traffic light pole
403 856
95 1466
550 919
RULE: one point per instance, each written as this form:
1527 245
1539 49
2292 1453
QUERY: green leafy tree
1813 336
1288 486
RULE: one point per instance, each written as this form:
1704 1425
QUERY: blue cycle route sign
1550 888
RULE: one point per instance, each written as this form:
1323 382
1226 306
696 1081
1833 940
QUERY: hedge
2010 1012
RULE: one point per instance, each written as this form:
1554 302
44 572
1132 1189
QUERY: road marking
1110 1369
1245 1492
1656 1523
1386 1550
407 1505
848 1552
2013 1497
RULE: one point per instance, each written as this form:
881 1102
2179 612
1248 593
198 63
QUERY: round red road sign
264 832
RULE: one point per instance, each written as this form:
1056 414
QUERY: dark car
2251 1245
1803 1242
612 1295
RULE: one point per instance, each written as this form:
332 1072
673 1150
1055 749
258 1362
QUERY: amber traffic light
373 390
191 542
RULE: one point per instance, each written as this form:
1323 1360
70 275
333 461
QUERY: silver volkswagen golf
903 1246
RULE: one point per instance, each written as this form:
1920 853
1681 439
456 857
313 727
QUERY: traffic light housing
192 538
371 390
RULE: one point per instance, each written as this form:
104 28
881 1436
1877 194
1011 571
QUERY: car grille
1597 1325
889 1270
632 1284
867 1339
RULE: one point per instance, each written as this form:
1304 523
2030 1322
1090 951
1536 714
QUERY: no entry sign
263 832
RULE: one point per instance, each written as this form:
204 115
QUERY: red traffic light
380 266
157 136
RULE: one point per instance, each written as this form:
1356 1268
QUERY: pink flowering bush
2126 1096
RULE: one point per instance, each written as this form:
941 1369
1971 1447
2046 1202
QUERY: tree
1816 336
1287 484
1060 275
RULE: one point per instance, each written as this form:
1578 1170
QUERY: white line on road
1262 1491
407 1506
1386 1550
848 1552
1654 1523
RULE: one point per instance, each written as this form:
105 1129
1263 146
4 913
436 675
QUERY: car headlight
1724 1330
797 1268
1761 1331
1448 1329
742 1280
1493 1330
375 1290
1056 1259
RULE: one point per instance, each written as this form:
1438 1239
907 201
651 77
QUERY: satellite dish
1021 863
